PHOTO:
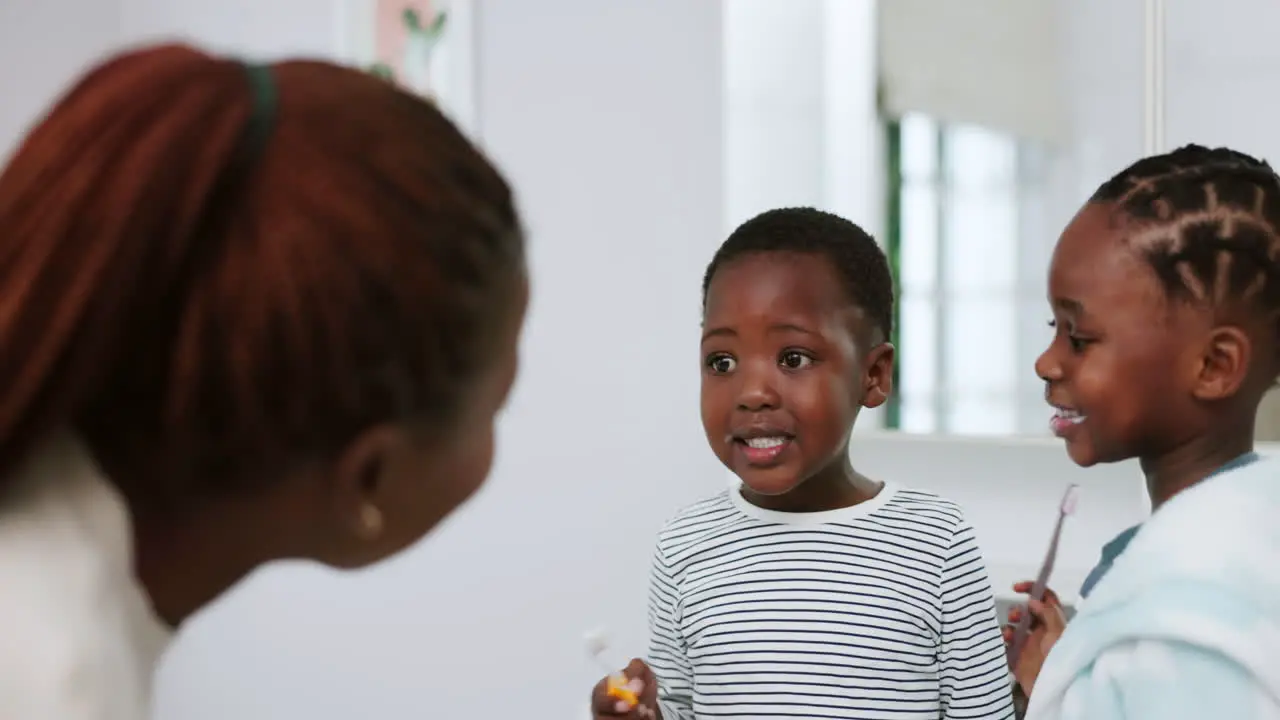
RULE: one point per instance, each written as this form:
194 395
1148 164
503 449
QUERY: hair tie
262 117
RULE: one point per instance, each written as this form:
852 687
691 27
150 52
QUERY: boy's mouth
1064 420
762 449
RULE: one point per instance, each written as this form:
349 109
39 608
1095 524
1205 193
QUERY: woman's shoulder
78 630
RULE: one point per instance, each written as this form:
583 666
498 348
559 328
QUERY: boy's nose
757 393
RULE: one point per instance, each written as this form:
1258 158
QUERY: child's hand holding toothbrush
634 694
630 693
1048 620
1038 627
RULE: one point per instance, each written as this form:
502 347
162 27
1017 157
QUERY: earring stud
370 521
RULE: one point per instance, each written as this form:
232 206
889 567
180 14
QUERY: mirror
964 143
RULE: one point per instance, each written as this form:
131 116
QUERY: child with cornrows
1165 293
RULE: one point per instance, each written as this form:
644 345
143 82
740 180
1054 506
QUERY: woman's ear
358 481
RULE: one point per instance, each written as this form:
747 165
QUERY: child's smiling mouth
1064 420
761 446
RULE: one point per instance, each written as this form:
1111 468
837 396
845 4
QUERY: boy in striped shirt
810 591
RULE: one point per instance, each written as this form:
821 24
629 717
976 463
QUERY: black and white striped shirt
881 610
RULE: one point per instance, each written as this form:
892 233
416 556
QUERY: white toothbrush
597 645
1023 630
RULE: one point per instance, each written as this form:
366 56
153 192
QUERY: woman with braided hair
1165 292
246 313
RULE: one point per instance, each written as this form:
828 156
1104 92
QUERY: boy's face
1122 367
787 363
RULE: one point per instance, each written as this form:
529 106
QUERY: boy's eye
721 363
794 359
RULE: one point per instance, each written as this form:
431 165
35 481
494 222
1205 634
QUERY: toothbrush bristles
597 642
1069 499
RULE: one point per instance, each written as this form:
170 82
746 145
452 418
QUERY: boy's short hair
854 254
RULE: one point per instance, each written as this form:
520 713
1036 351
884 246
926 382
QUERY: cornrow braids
1209 223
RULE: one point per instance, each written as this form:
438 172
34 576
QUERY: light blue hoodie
1187 622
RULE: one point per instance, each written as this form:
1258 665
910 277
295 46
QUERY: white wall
44 45
1222 64
258 28
801 125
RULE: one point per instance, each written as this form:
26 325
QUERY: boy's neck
836 486
1188 464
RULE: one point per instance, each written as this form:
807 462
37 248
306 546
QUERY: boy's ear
877 378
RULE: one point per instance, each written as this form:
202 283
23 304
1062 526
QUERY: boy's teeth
1072 415
762 443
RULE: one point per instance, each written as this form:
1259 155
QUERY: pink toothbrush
1023 629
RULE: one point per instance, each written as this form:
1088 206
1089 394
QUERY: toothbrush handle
604 665
1022 631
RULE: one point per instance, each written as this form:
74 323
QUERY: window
960 197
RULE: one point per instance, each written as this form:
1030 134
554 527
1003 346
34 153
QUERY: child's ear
877 378
1224 364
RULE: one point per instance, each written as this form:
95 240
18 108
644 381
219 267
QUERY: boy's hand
1047 623
640 680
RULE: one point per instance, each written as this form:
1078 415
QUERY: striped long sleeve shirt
882 610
